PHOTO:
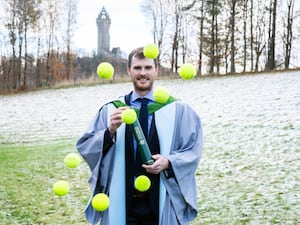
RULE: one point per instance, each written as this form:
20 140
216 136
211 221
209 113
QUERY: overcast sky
128 29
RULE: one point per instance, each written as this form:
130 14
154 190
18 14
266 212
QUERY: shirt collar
149 96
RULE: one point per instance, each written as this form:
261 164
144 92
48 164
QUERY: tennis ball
129 116
72 160
105 70
142 183
161 94
187 71
100 202
61 188
151 51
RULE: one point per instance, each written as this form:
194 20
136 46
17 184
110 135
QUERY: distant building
116 51
103 25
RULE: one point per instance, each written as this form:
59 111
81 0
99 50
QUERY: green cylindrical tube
142 143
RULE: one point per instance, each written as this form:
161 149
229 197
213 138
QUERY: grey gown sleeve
90 144
91 147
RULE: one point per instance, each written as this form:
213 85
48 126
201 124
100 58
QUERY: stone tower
103 25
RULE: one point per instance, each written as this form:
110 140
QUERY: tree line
36 42
225 36
218 36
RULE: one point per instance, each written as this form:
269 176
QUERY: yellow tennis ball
129 116
161 94
61 188
72 160
105 70
100 202
142 183
151 51
187 71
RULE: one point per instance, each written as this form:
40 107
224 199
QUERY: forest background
218 37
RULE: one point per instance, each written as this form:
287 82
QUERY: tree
200 19
22 15
251 36
11 26
245 18
259 46
156 12
270 65
288 34
30 13
232 38
51 22
71 21
175 39
257 40
211 39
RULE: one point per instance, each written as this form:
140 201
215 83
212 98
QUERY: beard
147 86
143 84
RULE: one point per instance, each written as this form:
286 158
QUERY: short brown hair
138 52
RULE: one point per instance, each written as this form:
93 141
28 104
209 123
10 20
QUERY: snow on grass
249 171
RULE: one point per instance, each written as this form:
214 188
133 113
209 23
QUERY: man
174 135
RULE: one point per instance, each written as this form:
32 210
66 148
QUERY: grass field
27 175
249 172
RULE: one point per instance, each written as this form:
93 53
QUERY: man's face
142 73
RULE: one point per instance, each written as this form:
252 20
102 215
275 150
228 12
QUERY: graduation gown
179 131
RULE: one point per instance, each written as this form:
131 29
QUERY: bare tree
51 22
175 39
30 14
245 19
157 11
186 22
71 21
232 38
201 19
288 34
23 15
226 47
259 33
11 26
259 46
211 34
270 65
251 36
38 81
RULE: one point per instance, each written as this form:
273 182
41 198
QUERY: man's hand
160 163
116 120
